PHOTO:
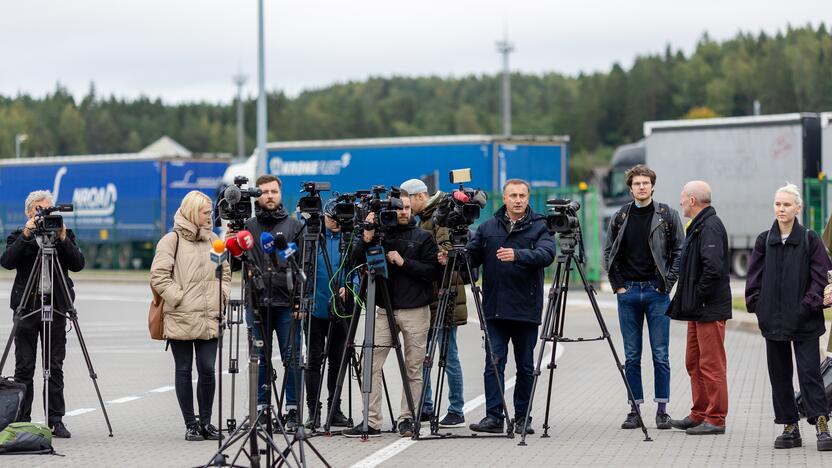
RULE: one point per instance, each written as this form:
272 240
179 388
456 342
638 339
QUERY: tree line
790 71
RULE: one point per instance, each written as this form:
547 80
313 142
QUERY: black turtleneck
637 262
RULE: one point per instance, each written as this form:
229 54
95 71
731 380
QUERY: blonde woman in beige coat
184 275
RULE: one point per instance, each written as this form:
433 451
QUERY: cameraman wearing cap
513 248
412 269
327 292
424 206
21 254
271 216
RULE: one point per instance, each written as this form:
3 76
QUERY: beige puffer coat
192 294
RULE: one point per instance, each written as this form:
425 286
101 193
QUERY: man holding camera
513 248
642 252
21 254
328 291
424 206
273 307
412 268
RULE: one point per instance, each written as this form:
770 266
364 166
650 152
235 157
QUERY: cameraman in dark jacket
271 216
412 268
21 254
703 299
513 248
786 278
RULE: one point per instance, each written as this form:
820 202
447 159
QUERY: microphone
460 196
232 194
218 253
233 247
480 198
267 242
285 249
245 240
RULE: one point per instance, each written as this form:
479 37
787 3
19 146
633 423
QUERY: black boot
824 439
209 431
317 415
193 433
339 419
790 437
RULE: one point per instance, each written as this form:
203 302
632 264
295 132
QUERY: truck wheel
125 255
739 262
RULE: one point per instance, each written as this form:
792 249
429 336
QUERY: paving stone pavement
587 406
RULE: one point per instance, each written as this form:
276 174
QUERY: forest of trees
787 72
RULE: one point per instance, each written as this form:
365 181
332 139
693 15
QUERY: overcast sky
187 50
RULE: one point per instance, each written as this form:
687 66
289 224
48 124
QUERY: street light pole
18 140
505 48
262 125
240 81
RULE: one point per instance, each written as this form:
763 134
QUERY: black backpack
11 399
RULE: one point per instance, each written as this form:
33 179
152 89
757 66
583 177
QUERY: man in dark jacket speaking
703 299
513 248
21 254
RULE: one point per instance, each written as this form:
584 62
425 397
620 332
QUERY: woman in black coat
786 277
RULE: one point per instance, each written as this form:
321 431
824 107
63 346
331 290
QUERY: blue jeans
280 322
640 300
453 370
523 336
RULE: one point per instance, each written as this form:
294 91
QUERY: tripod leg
367 352
349 353
73 316
475 290
394 332
591 293
18 313
550 324
389 401
556 332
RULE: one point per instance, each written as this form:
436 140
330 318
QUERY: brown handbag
155 319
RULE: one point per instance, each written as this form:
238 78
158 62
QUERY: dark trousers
25 355
282 324
183 357
317 343
523 336
779 357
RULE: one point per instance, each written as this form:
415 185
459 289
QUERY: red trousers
706 364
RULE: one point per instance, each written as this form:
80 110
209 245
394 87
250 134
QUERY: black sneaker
290 421
520 422
339 419
60 431
452 420
663 421
193 433
632 422
308 423
209 431
790 437
487 424
406 427
824 439
355 432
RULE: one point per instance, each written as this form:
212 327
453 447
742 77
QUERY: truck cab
614 185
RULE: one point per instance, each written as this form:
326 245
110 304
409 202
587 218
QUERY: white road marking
163 389
79 411
391 450
124 399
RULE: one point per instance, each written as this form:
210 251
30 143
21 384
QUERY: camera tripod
251 428
373 279
458 264
553 325
46 269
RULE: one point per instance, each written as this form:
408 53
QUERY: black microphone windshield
232 194
280 242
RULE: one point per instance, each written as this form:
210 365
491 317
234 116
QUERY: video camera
235 204
383 207
460 208
46 222
562 216
347 208
310 206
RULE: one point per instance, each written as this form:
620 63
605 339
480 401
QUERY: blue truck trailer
354 164
122 203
